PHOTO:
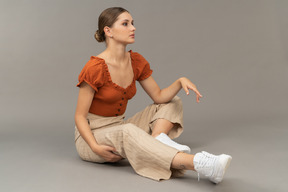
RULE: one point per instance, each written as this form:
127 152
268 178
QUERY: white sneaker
211 166
166 140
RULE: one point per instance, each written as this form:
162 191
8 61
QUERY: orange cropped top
111 99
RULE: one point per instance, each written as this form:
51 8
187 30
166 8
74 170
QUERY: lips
133 35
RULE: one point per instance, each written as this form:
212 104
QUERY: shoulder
93 73
94 68
142 66
138 57
94 64
135 54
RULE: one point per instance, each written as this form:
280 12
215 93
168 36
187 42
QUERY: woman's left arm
165 95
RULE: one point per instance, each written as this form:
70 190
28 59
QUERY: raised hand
187 84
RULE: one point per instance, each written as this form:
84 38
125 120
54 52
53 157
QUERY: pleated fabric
132 139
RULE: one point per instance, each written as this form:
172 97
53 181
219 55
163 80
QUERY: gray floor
234 51
44 161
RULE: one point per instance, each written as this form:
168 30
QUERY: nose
133 28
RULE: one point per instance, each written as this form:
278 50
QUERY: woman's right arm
85 97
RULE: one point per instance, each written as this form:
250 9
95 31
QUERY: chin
129 42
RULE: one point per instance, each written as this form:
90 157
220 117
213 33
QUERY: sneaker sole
224 162
186 150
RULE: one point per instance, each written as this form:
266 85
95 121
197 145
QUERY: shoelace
206 161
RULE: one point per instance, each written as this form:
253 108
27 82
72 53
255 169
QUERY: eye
125 24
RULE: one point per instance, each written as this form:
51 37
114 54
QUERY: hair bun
98 36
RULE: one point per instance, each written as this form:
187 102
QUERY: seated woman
107 82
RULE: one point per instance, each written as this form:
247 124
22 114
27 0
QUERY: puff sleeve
92 73
143 67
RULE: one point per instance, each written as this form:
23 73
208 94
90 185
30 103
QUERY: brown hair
107 18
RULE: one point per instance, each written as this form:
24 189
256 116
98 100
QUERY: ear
108 31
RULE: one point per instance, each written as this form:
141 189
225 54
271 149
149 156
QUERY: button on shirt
111 99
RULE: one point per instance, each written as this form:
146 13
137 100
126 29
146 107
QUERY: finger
191 87
186 90
197 92
112 150
109 148
197 98
115 158
111 157
118 158
115 153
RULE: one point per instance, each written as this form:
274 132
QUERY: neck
116 53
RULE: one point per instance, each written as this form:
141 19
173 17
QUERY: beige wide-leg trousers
132 139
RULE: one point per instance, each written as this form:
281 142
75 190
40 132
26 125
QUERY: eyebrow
128 20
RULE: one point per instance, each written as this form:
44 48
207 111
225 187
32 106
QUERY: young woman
107 82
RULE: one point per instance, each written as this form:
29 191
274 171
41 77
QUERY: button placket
121 103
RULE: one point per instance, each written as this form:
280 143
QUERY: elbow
160 102
157 101
157 98
78 117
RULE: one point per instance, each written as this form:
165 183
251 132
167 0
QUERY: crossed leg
162 126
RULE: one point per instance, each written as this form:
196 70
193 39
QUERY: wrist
181 78
180 81
95 148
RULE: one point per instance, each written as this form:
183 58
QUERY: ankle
155 134
183 161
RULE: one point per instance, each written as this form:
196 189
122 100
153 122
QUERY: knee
130 129
174 104
177 101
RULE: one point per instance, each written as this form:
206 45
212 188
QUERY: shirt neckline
109 75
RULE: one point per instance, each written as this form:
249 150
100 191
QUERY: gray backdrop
234 51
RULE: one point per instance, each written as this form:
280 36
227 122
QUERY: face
122 29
